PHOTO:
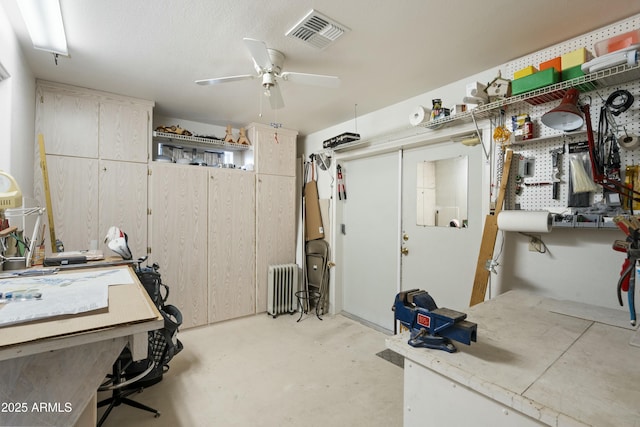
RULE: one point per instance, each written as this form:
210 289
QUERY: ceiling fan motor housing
277 61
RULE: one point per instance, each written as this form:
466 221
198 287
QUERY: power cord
537 243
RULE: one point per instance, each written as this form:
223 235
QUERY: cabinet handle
104 169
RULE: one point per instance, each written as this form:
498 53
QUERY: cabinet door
232 290
275 155
68 123
74 186
124 131
123 203
179 236
275 229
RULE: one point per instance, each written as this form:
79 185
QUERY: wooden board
489 235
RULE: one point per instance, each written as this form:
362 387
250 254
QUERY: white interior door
370 242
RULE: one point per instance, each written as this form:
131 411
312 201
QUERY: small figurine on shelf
242 139
229 136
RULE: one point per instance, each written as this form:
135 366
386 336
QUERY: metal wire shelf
201 142
604 78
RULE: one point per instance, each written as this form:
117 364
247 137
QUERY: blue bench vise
430 326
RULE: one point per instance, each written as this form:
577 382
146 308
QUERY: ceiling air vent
317 30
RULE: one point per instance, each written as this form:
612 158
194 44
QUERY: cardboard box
527 71
313 218
552 63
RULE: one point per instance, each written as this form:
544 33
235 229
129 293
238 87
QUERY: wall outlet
535 244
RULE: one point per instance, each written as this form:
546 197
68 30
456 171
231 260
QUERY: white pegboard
587 41
547 139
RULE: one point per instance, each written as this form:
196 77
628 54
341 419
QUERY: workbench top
562 370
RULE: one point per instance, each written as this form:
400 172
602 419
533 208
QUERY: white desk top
65 358
561 370
130 312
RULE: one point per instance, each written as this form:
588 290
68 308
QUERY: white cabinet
275 229
231 254
74 185
124 131
214 232
120 183
68 119
178 239
96 150
90 195
274 149
275 163
203 238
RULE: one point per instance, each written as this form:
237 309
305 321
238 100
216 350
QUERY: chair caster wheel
157 414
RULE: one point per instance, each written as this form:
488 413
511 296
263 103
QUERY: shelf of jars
206 143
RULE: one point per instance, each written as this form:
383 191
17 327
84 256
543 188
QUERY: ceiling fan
268 64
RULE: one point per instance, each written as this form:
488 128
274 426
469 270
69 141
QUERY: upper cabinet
124 131
274 149
92 124
68 120
96 148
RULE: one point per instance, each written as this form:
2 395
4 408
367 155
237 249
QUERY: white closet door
371 249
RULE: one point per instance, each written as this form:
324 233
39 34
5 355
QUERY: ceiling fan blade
229 79
259 52
311 79
275 99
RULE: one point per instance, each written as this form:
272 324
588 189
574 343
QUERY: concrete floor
260 371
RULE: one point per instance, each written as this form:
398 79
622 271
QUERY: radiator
283 284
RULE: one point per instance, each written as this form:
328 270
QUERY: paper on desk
69 293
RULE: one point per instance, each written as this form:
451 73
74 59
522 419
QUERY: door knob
404 251
405 237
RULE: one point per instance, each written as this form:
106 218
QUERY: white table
530 366
50 370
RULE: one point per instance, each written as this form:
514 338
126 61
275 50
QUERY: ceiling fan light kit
268 64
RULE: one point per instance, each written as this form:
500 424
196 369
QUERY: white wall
17 111
579 264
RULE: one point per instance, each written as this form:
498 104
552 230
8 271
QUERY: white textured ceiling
155 49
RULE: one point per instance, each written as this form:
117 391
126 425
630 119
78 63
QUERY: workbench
530 366
50 369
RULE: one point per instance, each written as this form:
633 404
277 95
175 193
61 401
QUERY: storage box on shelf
584 221
535 81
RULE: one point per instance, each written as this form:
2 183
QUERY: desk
50 369
530 367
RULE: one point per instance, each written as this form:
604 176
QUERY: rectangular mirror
442 192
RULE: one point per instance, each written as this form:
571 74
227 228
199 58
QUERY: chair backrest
317 261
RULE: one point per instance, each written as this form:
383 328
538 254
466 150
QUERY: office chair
122 385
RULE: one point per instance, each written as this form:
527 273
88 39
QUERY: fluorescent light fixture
44 22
